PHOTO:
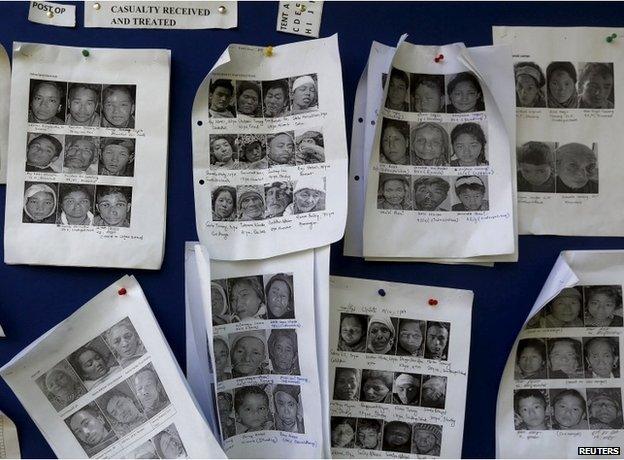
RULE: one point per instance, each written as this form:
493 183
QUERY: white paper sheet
398 369
105 384
87 185
300 18
568 152
53 14
266 373
161 15
562 387
492 228
285 154
5 97
9 445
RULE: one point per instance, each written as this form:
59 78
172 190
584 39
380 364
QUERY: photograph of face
376 386
168 443
469 145
530 85
394 144
94 362
44 152
427 93
406 389
309 196
116 157
346 384
40 203
281 149
223 200
248 99
221 351
342 432
561 90
310 147
569 409
91 429
437 341
565 358
47 102
368 434
124 341
61 385
280 296
278 197
250 200
118 104
149 390
464 93
426 439
605 408
288 408
253 409
221 99
276 98
602 357
565 310
394 192
536 167
430 145
81 155
113 205
284 351
353 332
248 353
381 335
223 151
219 300
122 409
433 391
225 406
411 337
246 298
603 306
304 93
430 193
595 85
531 359
76 204
252 151
398 91
531 410
397 437
83 104
577 168
472 194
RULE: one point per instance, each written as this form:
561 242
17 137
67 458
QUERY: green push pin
611 37
85 53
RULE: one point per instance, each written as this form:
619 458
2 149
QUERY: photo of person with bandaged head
309 196
381 335
304 94
406 389
40 203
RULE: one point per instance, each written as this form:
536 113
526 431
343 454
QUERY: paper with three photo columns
257 319
425 219
5 96
104 384
269 151
87 168
562 386
569 96
9 444
398 368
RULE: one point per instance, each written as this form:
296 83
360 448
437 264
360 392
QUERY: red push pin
433 302
439 57
122 291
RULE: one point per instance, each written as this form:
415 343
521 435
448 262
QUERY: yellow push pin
268 51
50 14
222 9
97 6
302 8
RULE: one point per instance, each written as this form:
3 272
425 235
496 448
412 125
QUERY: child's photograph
427 93
426 439
406 389
116 157
394 144
381 334
94 363
221 101
469 145
398 91
124 341
536 167
288 408
430 144
352 332
368 434
531 359
248 99
283 352
118 105
397 437
47 102
531 409
83 104
605 408
577 168
122 409
431 193
112 205
464 93
530 85
225 407
252 151
603 306
310 147
40 203
248 353
433 391
565 358
471 194
61 385
376 386
81 155
437 341
278 196
252 408
304 93
223 151
91 429
276 98
569 409
246 298
280 296
346 384
565 310
44 152
602 357
250 201
76 204
411 337
394 192
561 79
343 432
595 85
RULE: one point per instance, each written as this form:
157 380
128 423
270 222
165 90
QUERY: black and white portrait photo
427 93
91 429
604 406
394 144
223 199
281 149
81 155
40 203
223 151
464 93
149 390
248 99
437 341
122 409
44 153
346 384
471 194
431 193
602 306
278 196
530 84
343 432
250 201
381 335
406 389
116 157
430 145
83 104
304 93
353 332
411 337
426 439
577 168
309 196
246 298
76 204
219 302
398 91
61 385
397 437
47 102
276 99
223 366
118 105
221 100
369 434
310 147
124 341
253 409
94 363
433 391
113 206
288 408
252 151
595 85
280 296
376 386
225 407
168 443
248 353
536 167
284 351
394 192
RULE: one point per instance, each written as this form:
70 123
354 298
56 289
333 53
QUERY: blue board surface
33 299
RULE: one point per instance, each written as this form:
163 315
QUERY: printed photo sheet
260 330
269 151
398 369
441 171
569 113
562 386
105 384
88 157
5 96
9 444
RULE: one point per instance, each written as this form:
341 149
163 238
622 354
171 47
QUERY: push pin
433 302
382 292
50 14
611 37
85 53
439 57
222 9
122 291
302 8
97 6
268 51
